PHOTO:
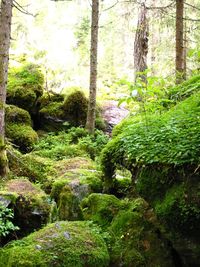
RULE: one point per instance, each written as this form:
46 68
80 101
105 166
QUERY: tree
141 43
180 66
5 31
91 114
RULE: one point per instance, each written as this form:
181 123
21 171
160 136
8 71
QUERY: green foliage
75 142
185 89
93 145
36 168
69 244
172 138
22 136
25 85
150 96
6 224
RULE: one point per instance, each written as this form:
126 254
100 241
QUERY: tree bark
91 114
5 31
179 41
141 44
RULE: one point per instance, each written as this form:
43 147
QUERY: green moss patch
67 244
69 189
25 85
132 231
22 136
15 114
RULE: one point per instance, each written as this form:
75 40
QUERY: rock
30 204
74 244
133 230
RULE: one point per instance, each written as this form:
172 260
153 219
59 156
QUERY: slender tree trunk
5 31
179 41
91 114
141 44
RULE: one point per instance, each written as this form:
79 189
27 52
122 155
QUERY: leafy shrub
6 224
93 144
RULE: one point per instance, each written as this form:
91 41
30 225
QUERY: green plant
6 224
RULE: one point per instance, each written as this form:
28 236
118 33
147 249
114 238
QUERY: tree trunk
5 31
91 114
179 41
141 44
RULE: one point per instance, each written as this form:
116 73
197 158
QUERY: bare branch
192 6
21 9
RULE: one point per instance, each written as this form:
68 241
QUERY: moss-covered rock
30 204
25 85
75 108
17 115
71 187
101 208
134 237
21 135
51 117
63 244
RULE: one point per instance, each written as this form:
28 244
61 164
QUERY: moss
17 115
101 208
68 205
21 97
53 109
66 244
36 168
179 210
21 135
132 228
75 108
71 188
25 86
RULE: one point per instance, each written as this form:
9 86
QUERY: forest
99 133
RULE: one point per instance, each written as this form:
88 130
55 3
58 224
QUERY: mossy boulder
25 86
63 244
17 115
132 230
101 208
51 117
75 108
23 136
30 204
71 187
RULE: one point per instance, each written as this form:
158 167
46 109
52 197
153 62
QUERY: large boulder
133 231
30 204
25 86
63 244
76 179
